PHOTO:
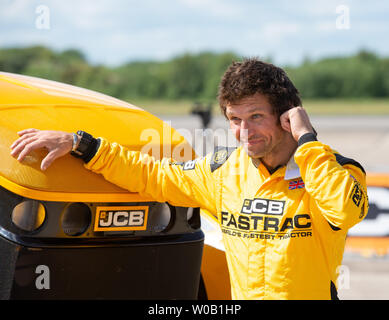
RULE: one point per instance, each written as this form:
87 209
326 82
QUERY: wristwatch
83 146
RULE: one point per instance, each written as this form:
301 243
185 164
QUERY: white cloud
117 31
217 8
14 9
279 31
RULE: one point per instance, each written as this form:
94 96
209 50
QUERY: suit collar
292 170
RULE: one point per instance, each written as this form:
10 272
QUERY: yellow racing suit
284 233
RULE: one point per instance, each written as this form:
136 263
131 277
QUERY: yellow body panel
28 102
215 274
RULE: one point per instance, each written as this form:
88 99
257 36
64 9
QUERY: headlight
76 218
162 217
28 215
193 217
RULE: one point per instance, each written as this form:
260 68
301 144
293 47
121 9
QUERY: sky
115 32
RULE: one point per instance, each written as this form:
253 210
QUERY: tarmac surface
364 278
363 138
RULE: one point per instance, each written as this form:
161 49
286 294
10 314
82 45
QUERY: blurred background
168 57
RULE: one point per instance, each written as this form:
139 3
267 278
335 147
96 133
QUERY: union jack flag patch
296 184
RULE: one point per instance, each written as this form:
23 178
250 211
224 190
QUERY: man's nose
245 129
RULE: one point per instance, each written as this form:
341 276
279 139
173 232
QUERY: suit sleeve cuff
308 137
92 150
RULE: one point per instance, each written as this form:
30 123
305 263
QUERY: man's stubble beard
269 147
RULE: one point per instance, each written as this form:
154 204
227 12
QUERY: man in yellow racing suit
284 200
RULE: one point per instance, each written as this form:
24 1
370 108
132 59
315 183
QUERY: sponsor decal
263 219
122 218
296 184
220 156
189 165
358 196
356 193
265 227
263 206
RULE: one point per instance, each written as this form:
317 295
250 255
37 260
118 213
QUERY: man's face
255 125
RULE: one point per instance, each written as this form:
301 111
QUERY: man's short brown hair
250 76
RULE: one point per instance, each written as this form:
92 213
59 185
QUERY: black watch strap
87 146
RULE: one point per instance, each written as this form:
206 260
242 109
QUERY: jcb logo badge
263 206
121 218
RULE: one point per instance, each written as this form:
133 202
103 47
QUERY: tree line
196 76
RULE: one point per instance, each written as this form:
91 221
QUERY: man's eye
256 116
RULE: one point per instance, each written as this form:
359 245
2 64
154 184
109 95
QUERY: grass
348 107
314 107
166 107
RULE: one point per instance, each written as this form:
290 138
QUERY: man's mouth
253 141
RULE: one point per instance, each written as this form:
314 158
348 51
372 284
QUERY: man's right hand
58 143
